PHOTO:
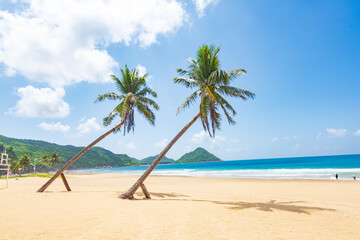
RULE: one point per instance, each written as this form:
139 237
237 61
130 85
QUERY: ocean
322 167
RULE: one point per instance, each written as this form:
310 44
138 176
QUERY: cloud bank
41 102
62 42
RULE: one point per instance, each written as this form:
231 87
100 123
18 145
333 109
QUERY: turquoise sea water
324 167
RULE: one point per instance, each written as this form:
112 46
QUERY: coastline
181 207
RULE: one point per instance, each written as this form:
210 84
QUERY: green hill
198 155
149 160
94 158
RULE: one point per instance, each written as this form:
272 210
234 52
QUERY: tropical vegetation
212 85
133 92
22 164
51 160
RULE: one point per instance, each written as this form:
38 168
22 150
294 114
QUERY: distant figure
354 177
336 176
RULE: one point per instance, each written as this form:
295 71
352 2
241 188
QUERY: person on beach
354 177
336 176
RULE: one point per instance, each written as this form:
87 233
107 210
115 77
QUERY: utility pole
34 167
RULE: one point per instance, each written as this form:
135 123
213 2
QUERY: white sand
180 208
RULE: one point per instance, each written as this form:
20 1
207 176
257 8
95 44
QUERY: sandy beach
180 208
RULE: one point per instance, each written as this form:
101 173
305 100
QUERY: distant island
97 157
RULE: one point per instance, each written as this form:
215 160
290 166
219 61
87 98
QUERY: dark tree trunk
129 194
47 184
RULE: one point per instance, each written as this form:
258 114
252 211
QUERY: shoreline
214 177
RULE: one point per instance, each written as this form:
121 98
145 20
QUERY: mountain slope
198 155
94 158
149 160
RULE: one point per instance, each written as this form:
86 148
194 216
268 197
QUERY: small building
5 166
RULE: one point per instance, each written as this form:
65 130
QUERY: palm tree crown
211 83
23 163
133 91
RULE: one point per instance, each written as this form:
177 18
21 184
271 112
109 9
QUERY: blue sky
302 59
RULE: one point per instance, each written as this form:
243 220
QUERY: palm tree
211 84
23 163
133 94
52 159
45 160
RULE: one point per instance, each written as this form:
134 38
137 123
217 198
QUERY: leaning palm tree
211 84
133 95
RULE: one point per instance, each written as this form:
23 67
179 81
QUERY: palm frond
148 101
108 96
187 82
134 92
146 112
236 92
204 73
108 120
191 99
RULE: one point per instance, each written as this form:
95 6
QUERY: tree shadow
270 206
162 195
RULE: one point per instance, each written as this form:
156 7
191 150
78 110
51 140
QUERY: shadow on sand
270 206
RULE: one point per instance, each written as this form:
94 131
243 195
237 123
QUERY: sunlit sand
180 208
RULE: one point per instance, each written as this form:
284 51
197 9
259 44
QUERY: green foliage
211 84
133 91
22 164
51 160
198 155
94 158
149 160
9 151
30 175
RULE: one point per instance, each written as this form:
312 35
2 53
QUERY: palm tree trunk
129 194
79 155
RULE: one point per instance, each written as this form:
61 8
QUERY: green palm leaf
212 82
133 93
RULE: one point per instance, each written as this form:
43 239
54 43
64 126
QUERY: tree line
25 164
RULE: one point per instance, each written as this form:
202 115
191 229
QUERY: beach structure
5 166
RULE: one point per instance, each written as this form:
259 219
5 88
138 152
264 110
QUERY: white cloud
203 138
141 69
88 126
357 133
199 138
274 139
162 143
202 4
54 127
290 138
336 132
62 42
216 140
41 102
131 145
